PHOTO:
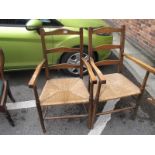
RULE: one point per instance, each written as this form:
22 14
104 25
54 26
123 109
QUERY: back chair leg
8 116
138 101
9 92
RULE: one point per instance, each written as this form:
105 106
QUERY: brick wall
140 32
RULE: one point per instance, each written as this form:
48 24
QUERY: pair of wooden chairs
4 90
101 87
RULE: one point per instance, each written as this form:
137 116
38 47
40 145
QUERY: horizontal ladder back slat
63 66
106 47
61 32
62 49
106 30
107 62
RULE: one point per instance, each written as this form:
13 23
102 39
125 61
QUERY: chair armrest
90 71
34 77
140 63
97 71
150 100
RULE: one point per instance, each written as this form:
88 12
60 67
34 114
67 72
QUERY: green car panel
83 22
23 48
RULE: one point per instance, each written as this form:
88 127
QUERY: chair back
48 50
107 47
1 64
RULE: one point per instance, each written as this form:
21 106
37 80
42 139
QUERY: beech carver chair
115 85
62 91
4 90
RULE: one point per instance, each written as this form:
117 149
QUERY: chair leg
93 115
9 92
138 101
89 115
8 116
41 118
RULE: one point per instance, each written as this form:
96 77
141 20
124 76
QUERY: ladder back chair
4 90
62 91
115 85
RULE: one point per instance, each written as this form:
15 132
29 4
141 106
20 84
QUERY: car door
21 47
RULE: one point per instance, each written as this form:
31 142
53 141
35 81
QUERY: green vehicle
21 42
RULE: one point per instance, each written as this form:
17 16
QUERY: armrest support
90 71
140 63
97 71
35 75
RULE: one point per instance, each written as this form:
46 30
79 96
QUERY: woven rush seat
117 86
64 90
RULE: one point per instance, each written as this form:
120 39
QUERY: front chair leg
93 115
89 115
39 109
41 117
8 116
9 92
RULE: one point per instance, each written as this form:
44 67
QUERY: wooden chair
115 85
62 91
4 90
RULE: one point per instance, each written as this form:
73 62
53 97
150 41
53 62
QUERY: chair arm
35 75
150 100
97 71
140 63
90 71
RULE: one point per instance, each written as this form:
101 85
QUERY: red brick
141 31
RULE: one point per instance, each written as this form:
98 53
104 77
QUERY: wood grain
97 71
90 71
62 49
103 30
140 63
106 47
107 62
32 81
59 31
63 66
